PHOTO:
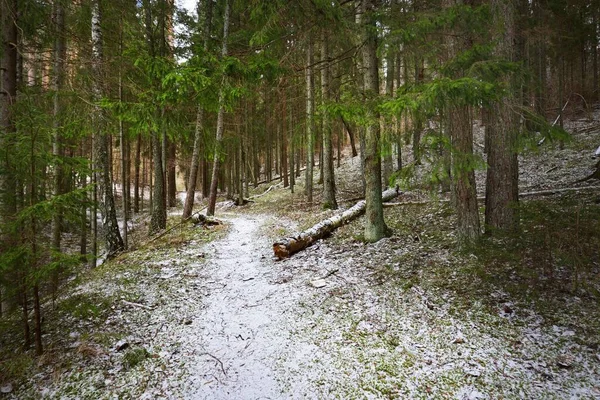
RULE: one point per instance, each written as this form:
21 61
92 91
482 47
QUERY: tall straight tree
195 162
60 52
212 199
502 181
158 216
460 127
114 241
375 227
8 96
329 200
310 120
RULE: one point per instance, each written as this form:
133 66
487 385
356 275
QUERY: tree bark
60 51
136 172
350 136
388 164
114 241
284 142
288 246
502 191
375 227
212 199
171 174
8 97
329 200
310 122
460 130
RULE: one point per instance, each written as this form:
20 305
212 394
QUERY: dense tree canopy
102 101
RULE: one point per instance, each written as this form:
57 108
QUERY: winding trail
244 326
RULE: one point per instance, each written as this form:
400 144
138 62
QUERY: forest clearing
353 199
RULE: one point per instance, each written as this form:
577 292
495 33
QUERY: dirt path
244 323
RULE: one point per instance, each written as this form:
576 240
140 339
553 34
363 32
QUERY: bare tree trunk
375 227
193 176
502 190
171 174
124 172
292 149
463 180
25 316
60 51
388 164
417 122
398 119
114 241
8 97
212 199
329 200
351 137
310 123
158 218
136 171
283 141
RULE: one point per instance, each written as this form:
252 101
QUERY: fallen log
288 246
545 192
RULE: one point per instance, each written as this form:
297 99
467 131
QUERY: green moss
134 357
85 306
16 368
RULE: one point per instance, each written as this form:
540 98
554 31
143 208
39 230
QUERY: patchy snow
402 318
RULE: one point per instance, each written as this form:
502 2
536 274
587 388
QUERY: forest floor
208 313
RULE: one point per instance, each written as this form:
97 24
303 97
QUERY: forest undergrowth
411 316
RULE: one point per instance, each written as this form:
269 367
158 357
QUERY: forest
300 199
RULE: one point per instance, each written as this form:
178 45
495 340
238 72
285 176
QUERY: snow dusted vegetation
207 312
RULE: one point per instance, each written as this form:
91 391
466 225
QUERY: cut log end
281 251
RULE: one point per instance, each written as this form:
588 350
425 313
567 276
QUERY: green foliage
429 98
16 368
557 244
85 307
537 129
134 357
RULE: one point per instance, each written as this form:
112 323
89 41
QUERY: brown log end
281 250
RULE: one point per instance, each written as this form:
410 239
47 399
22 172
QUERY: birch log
288 246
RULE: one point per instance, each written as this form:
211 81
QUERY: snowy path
243 323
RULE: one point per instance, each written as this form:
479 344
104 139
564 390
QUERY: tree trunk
375 227
123 147
283 141
502 191
310 122
329 200
136 171
158 218
288 246
463 177
388 164
194 165
460 130
60 51
212 200
8 96
351 137
417 123
114 241
171 174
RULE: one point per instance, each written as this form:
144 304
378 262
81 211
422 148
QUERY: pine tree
375 227
114 241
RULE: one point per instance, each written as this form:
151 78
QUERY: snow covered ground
207 313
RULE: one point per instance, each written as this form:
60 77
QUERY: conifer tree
375 227
114 241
